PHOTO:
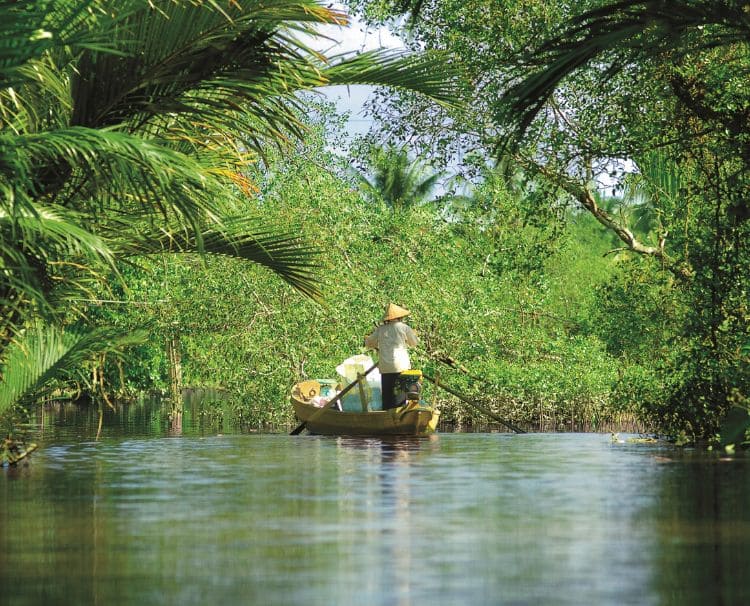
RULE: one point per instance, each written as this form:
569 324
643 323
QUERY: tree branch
583 195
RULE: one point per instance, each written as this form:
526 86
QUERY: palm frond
41 102
45 353
426 185
31 29
81 166
196 62
33 240
429 74
657 185
619 33
284 253
58 228
397 179
188 58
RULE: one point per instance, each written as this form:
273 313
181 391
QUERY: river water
142 517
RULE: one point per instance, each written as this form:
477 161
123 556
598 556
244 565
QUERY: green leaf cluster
647 100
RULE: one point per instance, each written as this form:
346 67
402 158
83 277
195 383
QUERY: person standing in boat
391 339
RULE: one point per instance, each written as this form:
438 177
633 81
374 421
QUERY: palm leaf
60 229
32 241
196 57
31 29
79 166
284 253
426 185
619 34
41 102
197 62
45 353
429 74
398 180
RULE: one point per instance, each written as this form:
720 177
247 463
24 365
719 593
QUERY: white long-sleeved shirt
391 339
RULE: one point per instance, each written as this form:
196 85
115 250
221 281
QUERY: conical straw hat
394 312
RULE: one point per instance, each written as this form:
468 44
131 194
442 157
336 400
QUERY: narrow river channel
140 517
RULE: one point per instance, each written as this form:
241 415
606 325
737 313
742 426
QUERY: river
143 517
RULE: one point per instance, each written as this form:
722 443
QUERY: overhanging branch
585 197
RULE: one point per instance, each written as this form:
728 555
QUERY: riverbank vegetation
642 97
240 329
127 130
586 261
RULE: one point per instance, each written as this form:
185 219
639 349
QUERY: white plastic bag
360 363
348 371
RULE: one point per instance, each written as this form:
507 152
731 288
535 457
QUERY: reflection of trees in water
53 542
397 541
203 410
703 520
391 528
82 418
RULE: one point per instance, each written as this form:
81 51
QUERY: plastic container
358 364
327 387
348 370
351 402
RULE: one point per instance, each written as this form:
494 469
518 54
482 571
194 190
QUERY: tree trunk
174 356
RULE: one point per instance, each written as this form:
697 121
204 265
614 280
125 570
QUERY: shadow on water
207 411
703 522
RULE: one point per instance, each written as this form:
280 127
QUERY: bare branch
585 197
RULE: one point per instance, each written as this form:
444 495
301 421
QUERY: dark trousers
388 385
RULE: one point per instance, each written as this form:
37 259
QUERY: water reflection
703 523
448 519
396 471
392 528
205 412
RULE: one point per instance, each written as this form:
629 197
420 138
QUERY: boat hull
411 419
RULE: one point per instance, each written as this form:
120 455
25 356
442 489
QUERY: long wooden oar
450 362
297 430
476 405
453 363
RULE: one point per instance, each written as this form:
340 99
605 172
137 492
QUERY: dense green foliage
126 129
574 93
467 283
594 262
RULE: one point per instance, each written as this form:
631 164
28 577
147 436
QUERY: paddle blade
299 429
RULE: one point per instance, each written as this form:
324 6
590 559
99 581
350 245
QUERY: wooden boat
412 418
